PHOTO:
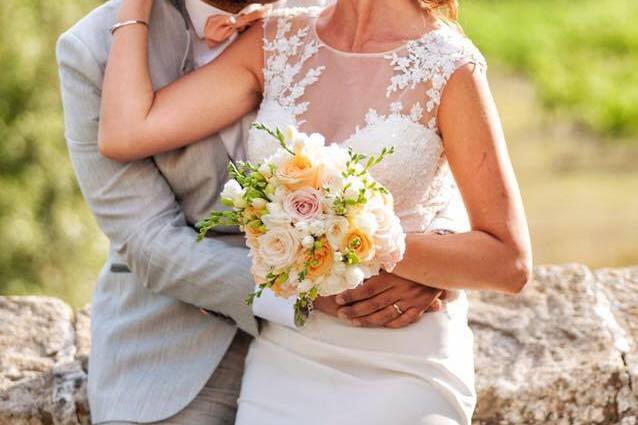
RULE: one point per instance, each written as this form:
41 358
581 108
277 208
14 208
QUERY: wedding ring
397 308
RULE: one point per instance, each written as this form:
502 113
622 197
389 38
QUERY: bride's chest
407 174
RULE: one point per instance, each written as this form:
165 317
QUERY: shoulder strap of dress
287 47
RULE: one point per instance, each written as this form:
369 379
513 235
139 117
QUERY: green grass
579 193
582 56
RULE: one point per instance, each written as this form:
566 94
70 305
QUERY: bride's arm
137 122
496 253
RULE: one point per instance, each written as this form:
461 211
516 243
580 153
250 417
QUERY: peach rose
298 172
359 242
252 215
320 260
284 287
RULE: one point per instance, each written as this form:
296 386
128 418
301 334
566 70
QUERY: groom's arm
137 210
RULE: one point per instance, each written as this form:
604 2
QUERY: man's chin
235 6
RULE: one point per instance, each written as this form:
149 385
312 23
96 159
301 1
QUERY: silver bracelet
119 25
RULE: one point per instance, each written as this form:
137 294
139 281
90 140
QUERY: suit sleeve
137 210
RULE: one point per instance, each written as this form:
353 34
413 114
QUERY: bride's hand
329 306
388 301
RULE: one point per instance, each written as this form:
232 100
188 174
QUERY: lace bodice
366 101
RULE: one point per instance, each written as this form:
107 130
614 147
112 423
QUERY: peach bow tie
220 28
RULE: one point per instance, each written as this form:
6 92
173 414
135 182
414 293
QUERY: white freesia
336 230
290 135
278 248
259 203
317 227
308 242
265 171
354 187
275 216
302 229
232 191
241 202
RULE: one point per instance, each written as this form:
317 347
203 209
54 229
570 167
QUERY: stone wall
563 352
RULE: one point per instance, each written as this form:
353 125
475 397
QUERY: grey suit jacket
152 349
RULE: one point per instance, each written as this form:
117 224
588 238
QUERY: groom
156 358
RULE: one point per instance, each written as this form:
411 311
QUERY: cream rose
278 248
332 285
367 222
298 172
354 276
336 230
331 178
389 238
259 270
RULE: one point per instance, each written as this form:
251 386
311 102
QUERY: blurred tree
48 239
581 55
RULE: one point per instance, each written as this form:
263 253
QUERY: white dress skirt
329 372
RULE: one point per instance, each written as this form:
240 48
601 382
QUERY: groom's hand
374 304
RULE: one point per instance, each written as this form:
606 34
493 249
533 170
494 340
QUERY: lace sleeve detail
287 47
429 64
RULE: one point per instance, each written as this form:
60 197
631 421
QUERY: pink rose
303 204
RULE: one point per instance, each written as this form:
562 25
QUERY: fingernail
340 300
342 315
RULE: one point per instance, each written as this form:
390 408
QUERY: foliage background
564 76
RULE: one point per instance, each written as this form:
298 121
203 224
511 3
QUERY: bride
366 74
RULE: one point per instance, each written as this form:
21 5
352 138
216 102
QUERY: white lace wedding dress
328 372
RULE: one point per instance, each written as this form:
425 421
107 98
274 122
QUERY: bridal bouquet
315 220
